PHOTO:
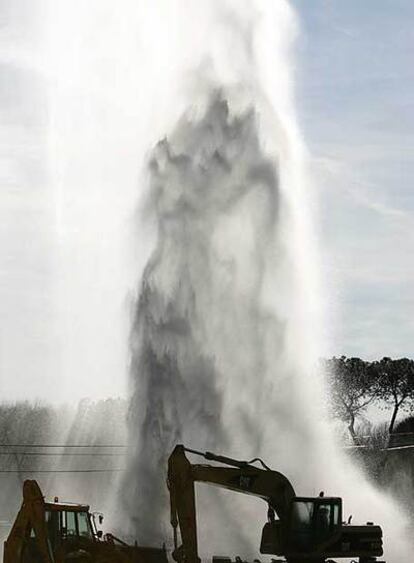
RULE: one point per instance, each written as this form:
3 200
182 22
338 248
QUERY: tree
351 384
394 384
406 426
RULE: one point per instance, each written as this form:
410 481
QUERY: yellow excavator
308 530
54 532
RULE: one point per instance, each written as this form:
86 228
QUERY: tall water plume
226 328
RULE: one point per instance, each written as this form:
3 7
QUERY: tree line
355 384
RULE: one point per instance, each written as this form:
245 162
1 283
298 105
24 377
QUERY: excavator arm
30 520
271 486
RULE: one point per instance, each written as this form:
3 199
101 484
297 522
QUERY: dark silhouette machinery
308 530
53 532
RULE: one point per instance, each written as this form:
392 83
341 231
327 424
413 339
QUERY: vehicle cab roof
66 506
319 499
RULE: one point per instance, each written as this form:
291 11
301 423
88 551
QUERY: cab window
323 519
301 524
84 525
302 513
69 524
336 515
326 519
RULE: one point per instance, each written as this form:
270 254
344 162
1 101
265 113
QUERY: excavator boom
271 486
308 529
30 521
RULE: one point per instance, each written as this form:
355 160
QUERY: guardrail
401 439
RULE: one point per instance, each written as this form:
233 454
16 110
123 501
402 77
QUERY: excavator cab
68 529
68 526
312 521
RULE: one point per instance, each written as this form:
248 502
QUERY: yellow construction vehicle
308 530
54 532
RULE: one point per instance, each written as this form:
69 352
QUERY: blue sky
355 96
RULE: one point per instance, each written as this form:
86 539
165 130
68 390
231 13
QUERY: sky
69 259
355 96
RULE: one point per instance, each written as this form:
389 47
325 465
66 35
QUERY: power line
92 454
63 446
61 470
